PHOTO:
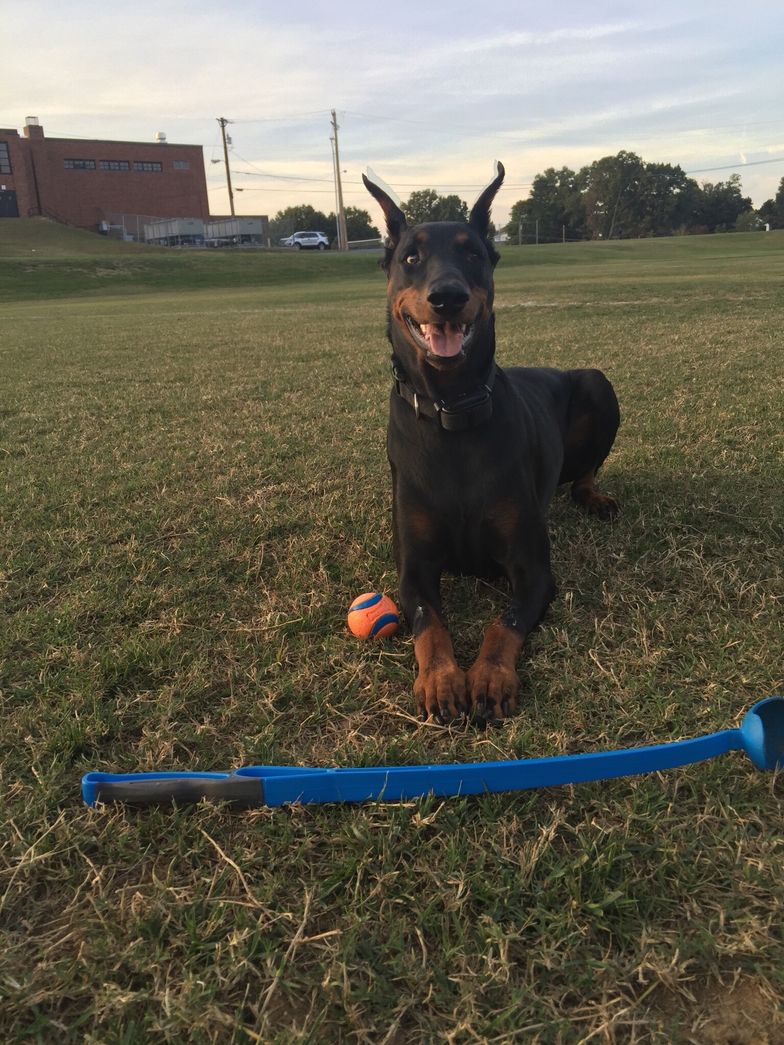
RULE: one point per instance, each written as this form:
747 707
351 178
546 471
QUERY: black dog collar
469 410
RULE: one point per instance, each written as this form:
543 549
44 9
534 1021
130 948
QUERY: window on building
79 165
5 159
182 165
146 165
115 165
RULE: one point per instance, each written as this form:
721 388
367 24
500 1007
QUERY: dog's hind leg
591 500
592 424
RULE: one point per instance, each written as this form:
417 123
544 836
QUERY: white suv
306 241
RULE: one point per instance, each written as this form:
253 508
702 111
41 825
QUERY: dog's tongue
443 339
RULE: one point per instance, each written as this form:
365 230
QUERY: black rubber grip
238 792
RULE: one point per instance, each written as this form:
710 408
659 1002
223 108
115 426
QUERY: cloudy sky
427 94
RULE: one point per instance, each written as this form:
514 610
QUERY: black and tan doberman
476 453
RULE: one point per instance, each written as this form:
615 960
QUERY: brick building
88 183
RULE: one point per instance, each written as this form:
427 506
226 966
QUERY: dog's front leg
440 686
492 680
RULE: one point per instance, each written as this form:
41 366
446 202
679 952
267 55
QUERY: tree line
422 205
623 196
615 197
304 218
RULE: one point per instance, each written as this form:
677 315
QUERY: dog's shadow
694 542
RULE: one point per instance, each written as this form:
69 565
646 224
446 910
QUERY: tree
426 205
554 206
357 224
420 206
613 196
516 225
772 210
555 202
668 200
302 218
721 204
627 197
622 195
748 221
688 208
451 208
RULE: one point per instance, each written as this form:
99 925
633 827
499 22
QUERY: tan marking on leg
585 494
420 524
492 680
439 688
504 516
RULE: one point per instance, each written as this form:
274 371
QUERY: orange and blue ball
373 616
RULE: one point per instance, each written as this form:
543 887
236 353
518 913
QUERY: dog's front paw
492 689
440 692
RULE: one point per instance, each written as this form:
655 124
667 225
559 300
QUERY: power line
284 119
222 188
386 119
258 173
282 178
734 166
349 181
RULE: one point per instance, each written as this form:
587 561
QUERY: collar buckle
467 411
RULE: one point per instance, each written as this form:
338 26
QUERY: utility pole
342 231
223 121
335 180
615 210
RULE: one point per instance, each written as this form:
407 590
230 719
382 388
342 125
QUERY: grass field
194 487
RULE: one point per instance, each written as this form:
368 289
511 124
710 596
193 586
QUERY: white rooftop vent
32 121
160 137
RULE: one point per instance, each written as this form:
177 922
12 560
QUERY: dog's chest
471 550
464 503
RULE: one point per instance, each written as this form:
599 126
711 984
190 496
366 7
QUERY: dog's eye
412 258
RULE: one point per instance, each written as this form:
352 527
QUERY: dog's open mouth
442 340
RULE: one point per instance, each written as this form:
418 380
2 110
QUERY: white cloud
445 92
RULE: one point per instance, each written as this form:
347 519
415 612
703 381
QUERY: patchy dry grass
194 487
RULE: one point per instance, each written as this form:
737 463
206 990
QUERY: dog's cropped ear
479 218
394 216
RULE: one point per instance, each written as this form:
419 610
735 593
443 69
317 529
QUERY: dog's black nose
448 297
